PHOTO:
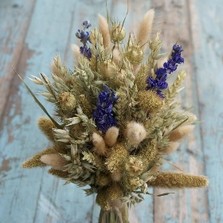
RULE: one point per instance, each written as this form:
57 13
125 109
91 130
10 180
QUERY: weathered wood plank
32 34
142 212
34 196
184 205
15 18
208 57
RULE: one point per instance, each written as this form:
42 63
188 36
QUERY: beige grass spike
178 180
180 132
76 52
35 160
54 160
104 29
173 146
111 136
99 144
145 27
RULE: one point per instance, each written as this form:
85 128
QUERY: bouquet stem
116 215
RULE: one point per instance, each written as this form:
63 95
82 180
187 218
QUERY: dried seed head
149 101
107 68
67 101
148 154
96 37
114 193
116 159
134 166
134 183
58 68
117 33
101 199
58 173
117 56
134 54
76 131
116 175
135 133
108 197
46 126
85 105
103 180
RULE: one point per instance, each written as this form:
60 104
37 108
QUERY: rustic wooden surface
32 32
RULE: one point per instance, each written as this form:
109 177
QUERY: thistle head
67 101
149 101
117 32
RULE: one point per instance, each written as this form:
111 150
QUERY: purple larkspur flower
86 51
84 37
86 24
159 82
104 115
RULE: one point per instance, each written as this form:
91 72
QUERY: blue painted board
32 32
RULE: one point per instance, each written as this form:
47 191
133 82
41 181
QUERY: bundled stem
118 215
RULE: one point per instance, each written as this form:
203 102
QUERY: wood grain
33 32
184 205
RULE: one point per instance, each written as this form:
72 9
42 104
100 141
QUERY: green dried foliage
141 77
148 154
58 173
174 88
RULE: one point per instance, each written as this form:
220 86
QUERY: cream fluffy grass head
116 114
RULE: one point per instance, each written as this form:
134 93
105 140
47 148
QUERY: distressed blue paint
208 60
28 41
40 197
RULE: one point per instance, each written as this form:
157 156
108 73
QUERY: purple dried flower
104 115
86 51
86 24
159 83
84 37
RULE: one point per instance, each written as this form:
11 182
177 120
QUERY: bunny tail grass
35 160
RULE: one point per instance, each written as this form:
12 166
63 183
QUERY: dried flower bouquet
116 116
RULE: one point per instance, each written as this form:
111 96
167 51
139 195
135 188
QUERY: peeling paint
5 165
